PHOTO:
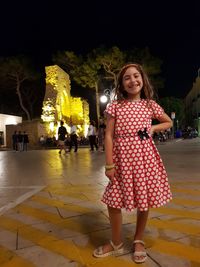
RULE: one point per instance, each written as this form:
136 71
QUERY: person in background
92 135
20 141
101 133
25 141
42 141
15 141
62 132
1 139
137 176
73 137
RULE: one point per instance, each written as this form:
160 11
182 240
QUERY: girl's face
132 83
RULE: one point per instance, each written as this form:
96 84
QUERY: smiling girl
137 176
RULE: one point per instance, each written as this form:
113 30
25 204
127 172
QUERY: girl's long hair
147 91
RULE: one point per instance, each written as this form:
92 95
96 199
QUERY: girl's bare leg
115 216
142 217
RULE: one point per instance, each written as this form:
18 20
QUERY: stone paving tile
182 196
67 214
41 206
189 222
56 230
8 239
43 194
191 240
167 260
44 258
23 243
29 220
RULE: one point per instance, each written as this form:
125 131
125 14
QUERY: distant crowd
20 141
68 140
94 139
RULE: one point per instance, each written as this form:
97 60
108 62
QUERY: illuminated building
59 105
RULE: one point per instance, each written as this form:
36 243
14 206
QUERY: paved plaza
52 216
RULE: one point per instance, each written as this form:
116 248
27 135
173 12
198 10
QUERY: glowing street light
107 96
104 99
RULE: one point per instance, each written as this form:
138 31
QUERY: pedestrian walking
73 137
92 135
62 132
137 176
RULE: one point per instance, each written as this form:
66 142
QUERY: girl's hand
110 174
152 130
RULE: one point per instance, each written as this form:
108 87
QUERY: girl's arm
165 123
109 139
109 147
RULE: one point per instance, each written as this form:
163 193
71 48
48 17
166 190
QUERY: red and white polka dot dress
141 179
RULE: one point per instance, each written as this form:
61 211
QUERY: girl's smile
133 83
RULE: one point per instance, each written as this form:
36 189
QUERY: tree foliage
14 72
83 70
172 104
152 65
111 61
99 68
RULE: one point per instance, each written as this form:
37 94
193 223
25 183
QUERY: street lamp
104 99
108 95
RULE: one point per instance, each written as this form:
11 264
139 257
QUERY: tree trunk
20 100
97 103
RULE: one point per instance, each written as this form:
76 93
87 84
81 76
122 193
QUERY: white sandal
117 250
139 256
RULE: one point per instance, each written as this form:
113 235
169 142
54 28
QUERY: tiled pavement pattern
61 225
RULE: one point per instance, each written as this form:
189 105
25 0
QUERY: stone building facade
58 103
192 105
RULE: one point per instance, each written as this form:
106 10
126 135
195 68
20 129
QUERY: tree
31 99
102 65
83 70
15 71
111 61
151 64
172 104
69 61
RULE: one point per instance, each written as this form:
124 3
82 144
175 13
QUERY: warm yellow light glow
59 105
48 111
51 126
85 129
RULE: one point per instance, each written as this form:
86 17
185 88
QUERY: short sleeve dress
141 180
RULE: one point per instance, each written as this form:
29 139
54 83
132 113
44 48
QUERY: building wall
34 129
5 120
57 94
192 105
58 103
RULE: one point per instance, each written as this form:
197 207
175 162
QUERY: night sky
171 30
